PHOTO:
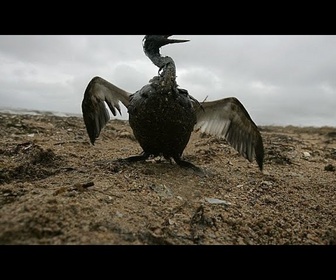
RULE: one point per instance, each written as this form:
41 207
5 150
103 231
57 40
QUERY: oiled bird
162 115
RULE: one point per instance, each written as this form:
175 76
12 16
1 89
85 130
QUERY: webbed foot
189 165
142 157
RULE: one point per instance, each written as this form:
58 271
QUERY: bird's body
162 119
163 116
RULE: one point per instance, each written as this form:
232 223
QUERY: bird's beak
154 42
172 41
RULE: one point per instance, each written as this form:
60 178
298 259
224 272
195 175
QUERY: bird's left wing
227 118
95 113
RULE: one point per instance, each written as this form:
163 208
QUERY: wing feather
227 118
95 114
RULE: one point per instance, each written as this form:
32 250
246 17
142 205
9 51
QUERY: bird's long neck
165 63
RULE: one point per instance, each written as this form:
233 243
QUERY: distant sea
20 111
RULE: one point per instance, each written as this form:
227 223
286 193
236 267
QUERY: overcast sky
280 79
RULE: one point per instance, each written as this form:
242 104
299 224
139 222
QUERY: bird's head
152 43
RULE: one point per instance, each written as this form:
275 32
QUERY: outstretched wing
95 113
227 118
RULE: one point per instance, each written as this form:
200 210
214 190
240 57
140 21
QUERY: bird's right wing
95 113
227 118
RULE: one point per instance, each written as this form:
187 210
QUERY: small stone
217 201
118 214
306 154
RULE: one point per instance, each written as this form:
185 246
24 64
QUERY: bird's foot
142 157
190 166
115 165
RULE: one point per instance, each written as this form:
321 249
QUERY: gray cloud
280 79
